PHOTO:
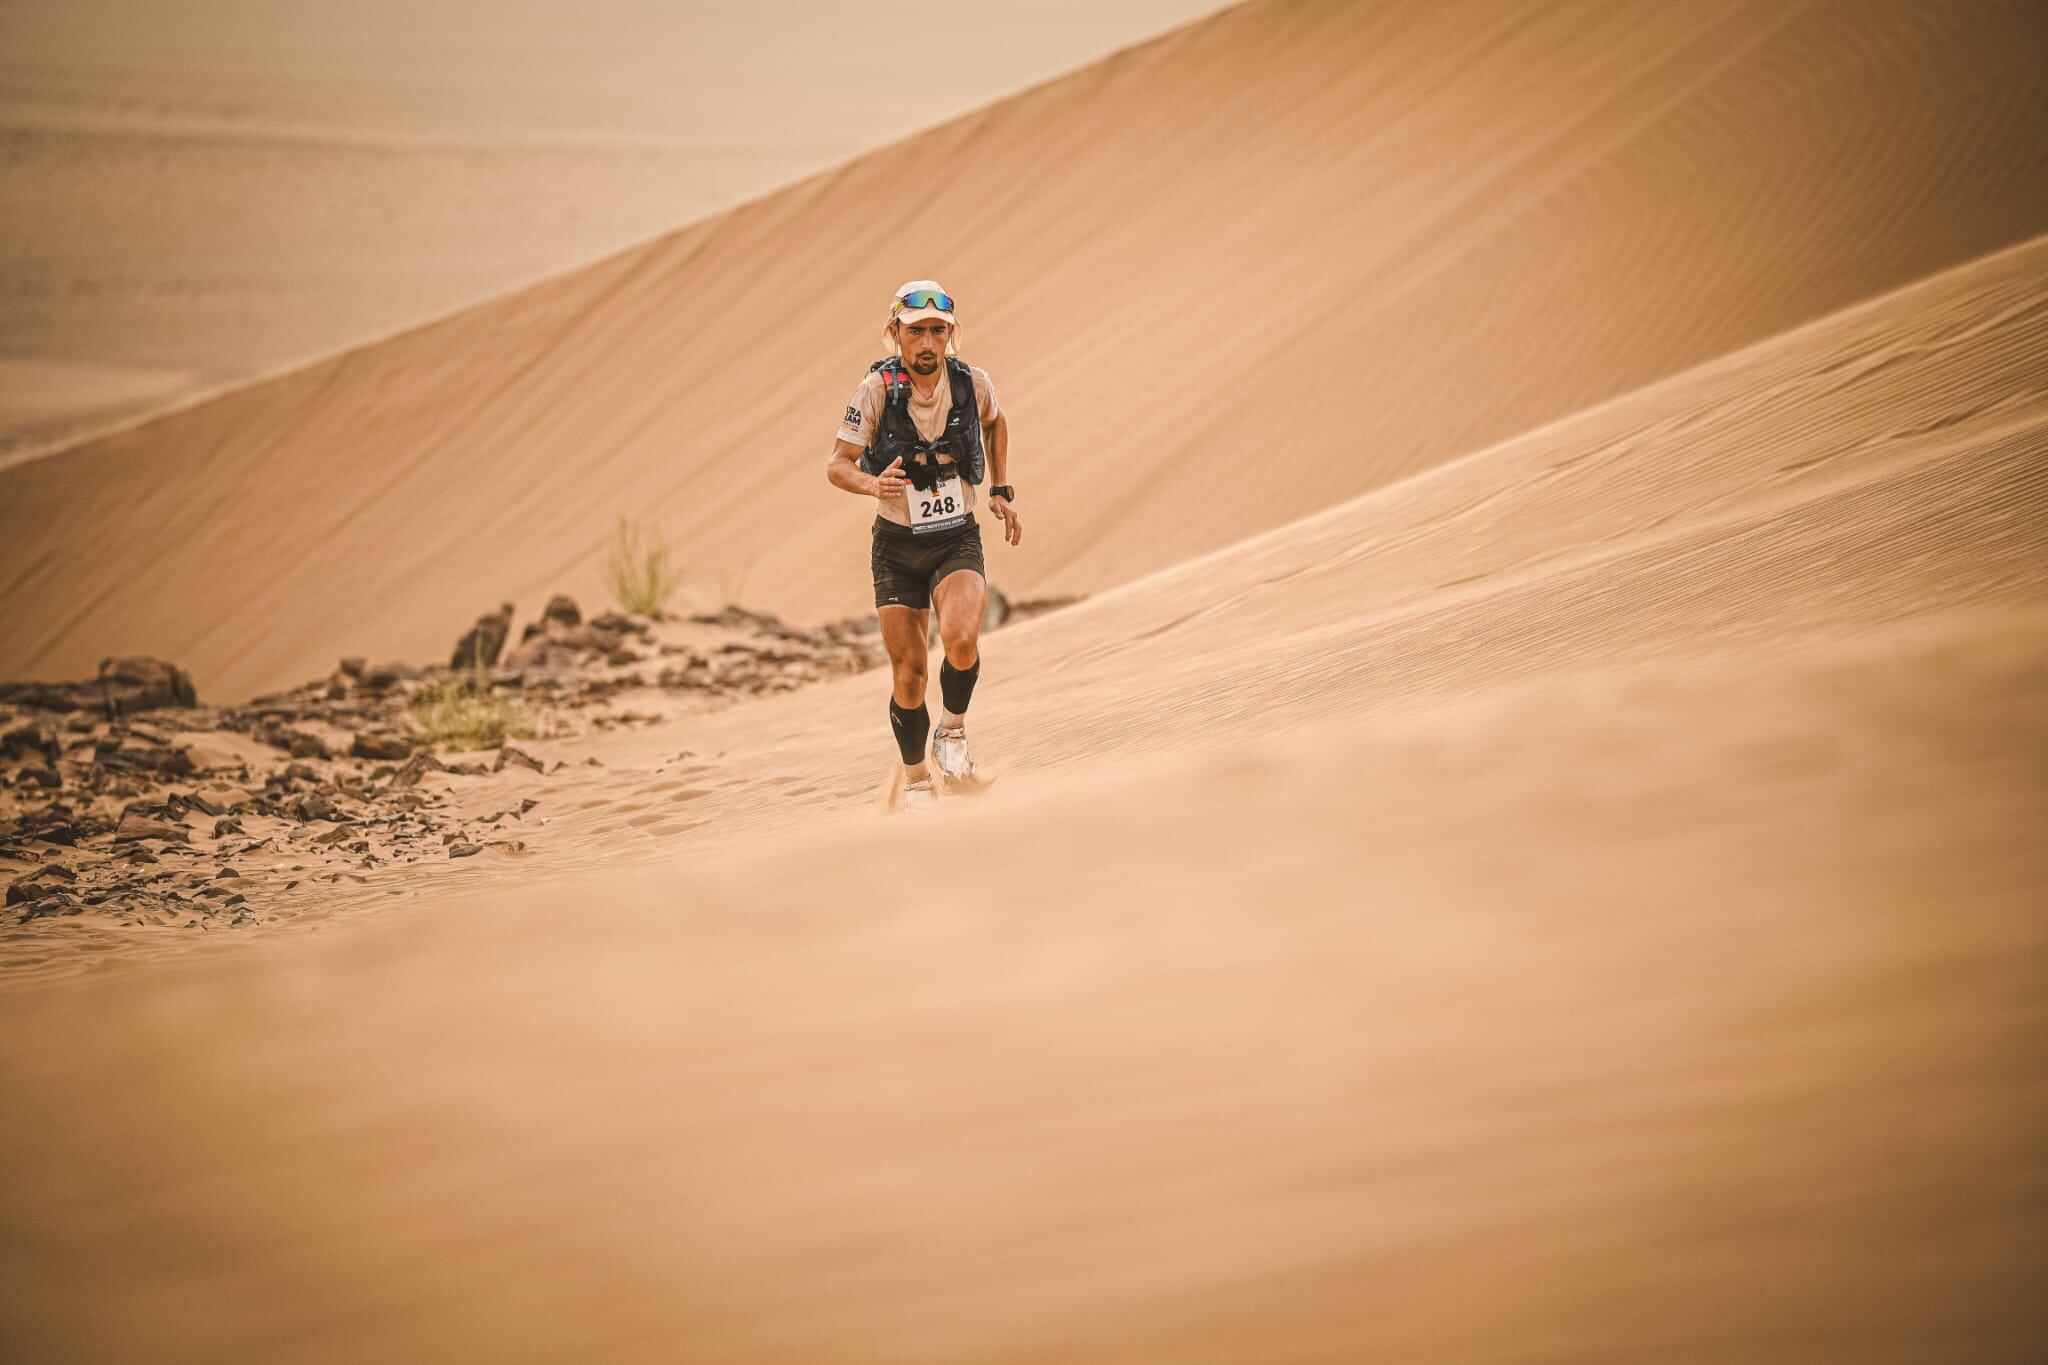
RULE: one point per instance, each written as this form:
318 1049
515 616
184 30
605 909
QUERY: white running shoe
920 796
949 755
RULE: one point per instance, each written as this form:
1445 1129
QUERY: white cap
918 314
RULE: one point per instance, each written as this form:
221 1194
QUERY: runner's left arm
995 439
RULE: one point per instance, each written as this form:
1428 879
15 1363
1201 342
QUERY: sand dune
1224 280
1603 924
1545 866
205 193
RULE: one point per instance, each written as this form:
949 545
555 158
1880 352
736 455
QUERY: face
923 342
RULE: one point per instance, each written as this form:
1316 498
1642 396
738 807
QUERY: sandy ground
1622 940
1179 267
1564 884
204 192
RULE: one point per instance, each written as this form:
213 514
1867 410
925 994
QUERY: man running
917 436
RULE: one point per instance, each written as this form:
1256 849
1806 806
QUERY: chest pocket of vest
896 435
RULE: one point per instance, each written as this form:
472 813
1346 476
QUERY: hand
1013 529
890 483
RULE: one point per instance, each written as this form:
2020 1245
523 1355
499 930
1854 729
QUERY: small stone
485 641
316 806
414 768
227 825
31 739
372 745
464 850
135 825
382 677
508 754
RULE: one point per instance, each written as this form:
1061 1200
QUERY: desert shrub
637 570
461 712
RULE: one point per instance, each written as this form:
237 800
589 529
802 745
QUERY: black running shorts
908 565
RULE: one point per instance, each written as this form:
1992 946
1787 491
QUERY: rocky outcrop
124 686
140 683
485 642
120 799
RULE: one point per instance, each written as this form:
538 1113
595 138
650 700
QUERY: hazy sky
836 71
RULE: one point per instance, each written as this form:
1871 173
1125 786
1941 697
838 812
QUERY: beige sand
1285 242
1629 947
203 192
1569 897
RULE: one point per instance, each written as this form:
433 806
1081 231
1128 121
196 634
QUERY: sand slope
1274 260
204 193
1603 925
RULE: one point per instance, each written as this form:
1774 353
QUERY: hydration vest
896 435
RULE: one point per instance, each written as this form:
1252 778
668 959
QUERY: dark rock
739 618
39 777
55 903
316 806
352 667
141 683
485 641
31 739
562 609
54 696
137 755
135 825
623 623
464 850
305 744
372 745
383 677
416 767
226 826
507 754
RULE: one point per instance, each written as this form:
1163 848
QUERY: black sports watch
1003 491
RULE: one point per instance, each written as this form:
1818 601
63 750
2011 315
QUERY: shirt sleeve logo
853 416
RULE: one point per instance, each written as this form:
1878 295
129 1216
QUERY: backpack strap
895 378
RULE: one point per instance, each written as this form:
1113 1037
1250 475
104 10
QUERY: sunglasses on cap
924 298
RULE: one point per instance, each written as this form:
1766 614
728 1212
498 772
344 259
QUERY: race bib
938 508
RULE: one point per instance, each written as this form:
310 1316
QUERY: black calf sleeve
912 728
957 686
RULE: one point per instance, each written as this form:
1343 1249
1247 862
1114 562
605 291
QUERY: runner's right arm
844 470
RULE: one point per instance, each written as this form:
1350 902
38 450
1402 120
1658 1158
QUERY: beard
925 362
